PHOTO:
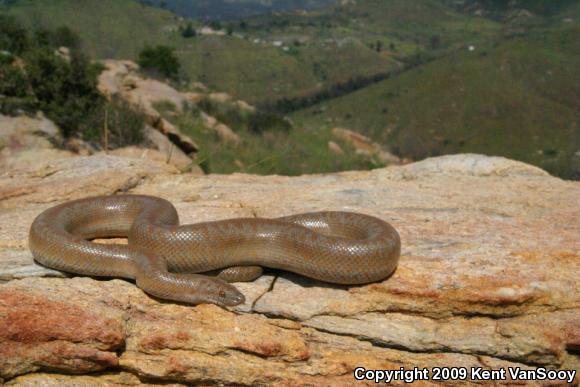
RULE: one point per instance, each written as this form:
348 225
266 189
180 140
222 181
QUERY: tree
66 91
379 46
215 25
160 59
434 42
13 37
189 31
61 37
64 36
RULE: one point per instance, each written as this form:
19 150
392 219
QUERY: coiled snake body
161 255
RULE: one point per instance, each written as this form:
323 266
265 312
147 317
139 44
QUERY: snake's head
212 290
229 296
191 289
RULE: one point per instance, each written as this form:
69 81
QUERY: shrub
66 91
262 122
33 77
188 31
160 59
123 122
13 37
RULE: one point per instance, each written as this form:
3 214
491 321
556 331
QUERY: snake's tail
152 276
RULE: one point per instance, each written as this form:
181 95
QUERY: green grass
516 95
336 46
292 153
108 28
518 99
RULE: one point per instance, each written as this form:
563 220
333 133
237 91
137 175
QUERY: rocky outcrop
488 278
364 146
224 132
24 140
120 78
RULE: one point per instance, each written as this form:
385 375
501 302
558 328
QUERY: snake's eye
222 294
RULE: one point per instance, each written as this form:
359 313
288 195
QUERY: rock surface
488 277
120 78
365 146
24 140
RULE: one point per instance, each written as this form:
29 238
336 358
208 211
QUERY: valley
422 78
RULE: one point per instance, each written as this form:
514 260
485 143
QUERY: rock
168 152
56 380
365 146
194 98
208 121
184 143
173 156
198 86
471 165
79 147
121 78
487 278
226 134
244 106
64 53
220 97
335 148
25 140
71 178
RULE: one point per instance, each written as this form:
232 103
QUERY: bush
13 37
66 92
61 37
33 77
13 80
189 31
262 122
160 59
124 124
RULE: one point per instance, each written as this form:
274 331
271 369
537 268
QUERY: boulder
220 97
365 146
335 148
224 132
25 140
122 79
487 278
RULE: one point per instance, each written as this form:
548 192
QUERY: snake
196 263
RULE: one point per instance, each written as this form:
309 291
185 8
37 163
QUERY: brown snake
336 247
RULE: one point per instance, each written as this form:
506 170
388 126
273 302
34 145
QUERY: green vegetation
227 9
318 49
264 151
159 59
517 99
422 77
62 83
256 122
107 28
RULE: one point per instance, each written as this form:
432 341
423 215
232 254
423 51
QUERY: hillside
457 82
268 58
233 9
518 99
108 28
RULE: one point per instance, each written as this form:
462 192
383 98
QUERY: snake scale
165 258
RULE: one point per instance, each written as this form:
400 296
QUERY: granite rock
488 277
